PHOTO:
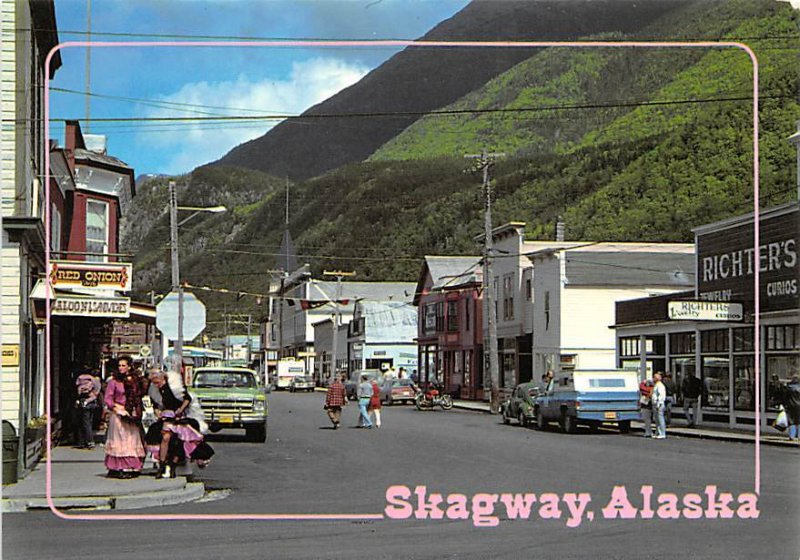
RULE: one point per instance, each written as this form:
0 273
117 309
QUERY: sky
142 83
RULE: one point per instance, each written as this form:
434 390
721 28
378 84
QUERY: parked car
590 398
397 391
232 397
301 383
351 385
521 405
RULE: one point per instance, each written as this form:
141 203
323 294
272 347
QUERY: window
743 340
714 341
629 346
55 229
452 315
96 231
508 297
467 305
429 326
681 343
782 337
439 316
715 382
528 291
547 310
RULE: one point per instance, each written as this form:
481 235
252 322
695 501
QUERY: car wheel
540 421
522 420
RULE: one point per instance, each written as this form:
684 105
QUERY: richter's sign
102 276
727 261
705 311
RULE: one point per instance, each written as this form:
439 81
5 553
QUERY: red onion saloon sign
727 260
85 275
91 306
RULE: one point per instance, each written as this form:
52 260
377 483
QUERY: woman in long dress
123 398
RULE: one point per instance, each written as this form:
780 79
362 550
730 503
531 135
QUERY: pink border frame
398 44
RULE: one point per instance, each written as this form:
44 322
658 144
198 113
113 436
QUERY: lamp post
176 274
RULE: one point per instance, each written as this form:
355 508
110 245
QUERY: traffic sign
145 351
194 316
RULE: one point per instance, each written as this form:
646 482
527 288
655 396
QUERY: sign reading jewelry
91 306
705 311
101 276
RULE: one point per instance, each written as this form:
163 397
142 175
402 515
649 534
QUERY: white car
301 383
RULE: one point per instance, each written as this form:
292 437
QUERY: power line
433 113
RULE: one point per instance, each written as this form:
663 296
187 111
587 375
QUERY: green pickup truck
232 397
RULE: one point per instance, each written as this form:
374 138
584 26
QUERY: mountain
624 145
418 80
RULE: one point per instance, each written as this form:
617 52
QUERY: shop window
780 370
714 341
429 324
782 337
743 340
655 345
716 387
681 343
744 389
508 297
440 316
681 368
629 346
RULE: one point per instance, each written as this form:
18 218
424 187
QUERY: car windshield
209 379
401 383
303 379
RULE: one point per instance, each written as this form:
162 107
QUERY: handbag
781 422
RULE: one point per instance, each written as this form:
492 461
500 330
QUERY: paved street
307 468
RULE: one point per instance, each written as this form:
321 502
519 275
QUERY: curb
190 492
678 432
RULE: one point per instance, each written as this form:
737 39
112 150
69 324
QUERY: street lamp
176 274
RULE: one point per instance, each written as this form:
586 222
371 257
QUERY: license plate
610 415
226 419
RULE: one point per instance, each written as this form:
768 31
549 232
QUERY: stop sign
194 316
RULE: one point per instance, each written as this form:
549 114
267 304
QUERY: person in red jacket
335 400
375 403
646 406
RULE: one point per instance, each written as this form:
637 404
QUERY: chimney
560 229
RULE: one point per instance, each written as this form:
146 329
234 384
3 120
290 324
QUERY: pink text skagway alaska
485 509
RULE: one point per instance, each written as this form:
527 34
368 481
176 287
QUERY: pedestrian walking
364 393
692 389
375 403
124 446
335 400
791 404
86 405
646 406
659 401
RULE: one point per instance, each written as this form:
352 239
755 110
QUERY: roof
449 272
370 291
103 160
747 218
629 268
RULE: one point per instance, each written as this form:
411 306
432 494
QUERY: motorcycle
431 397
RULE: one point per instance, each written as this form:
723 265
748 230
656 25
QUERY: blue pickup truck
590 398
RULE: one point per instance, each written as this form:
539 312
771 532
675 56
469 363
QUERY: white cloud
190 145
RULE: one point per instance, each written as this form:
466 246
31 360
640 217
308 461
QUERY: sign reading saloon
91 306
727 261
101 276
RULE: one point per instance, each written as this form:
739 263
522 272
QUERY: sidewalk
79 481
677 429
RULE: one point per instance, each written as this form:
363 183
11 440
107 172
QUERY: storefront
722 350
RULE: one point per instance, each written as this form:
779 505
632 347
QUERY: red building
450 334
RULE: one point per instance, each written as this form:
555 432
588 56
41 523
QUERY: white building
575 290
28 35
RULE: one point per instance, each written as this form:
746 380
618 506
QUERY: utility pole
484 162
336 317
176 275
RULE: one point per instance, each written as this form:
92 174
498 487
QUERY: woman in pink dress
124 447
